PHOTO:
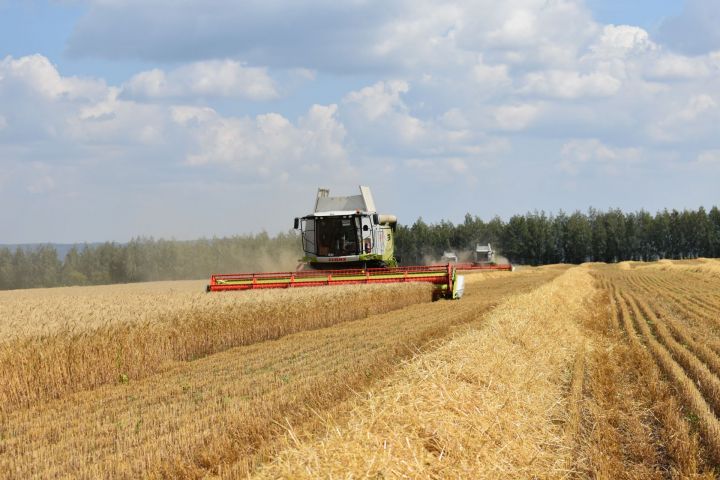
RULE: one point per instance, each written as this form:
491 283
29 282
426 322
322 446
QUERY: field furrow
629 327
693 340
616 316
707 382
708 423
466 410
620 437
703 315
703 289
633 424
702 298
703 324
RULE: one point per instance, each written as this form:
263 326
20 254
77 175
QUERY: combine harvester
484 260
346 242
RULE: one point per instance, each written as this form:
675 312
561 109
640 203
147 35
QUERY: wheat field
106 335
591 371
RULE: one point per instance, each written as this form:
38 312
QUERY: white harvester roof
325 204
483 248
450 256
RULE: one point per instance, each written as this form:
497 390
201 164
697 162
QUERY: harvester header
444 277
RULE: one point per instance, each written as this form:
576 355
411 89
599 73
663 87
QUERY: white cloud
629 51
35 73
455 119
578 154
415 35
490 76
622 41
43 106
671 66
398 36
515 117
378 111
123 123
570 84
379 99
527 31
520 27
268 145
214 78
694 118
696 106
41 181
380 122
709 158
84 120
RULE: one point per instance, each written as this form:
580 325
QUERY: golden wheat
221 413
425 423
708 424
42 311
599 371
113 345
634 426
663 320
706 381
489 403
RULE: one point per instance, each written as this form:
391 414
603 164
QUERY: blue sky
185 119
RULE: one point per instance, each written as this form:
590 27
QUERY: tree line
146 259
538 238
535 238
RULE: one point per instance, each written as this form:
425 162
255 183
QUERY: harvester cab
485 260
449 257
484 254
347 232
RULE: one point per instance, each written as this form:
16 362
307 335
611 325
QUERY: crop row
645 306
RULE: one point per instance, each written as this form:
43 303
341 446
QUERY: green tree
714 233
599 236
515 240
7 271
579 238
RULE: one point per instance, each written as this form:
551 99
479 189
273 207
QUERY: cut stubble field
594 371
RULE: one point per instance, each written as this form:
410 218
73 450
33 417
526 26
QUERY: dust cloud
284 259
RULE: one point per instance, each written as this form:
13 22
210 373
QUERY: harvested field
578 379
456 412
668 318
596 371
